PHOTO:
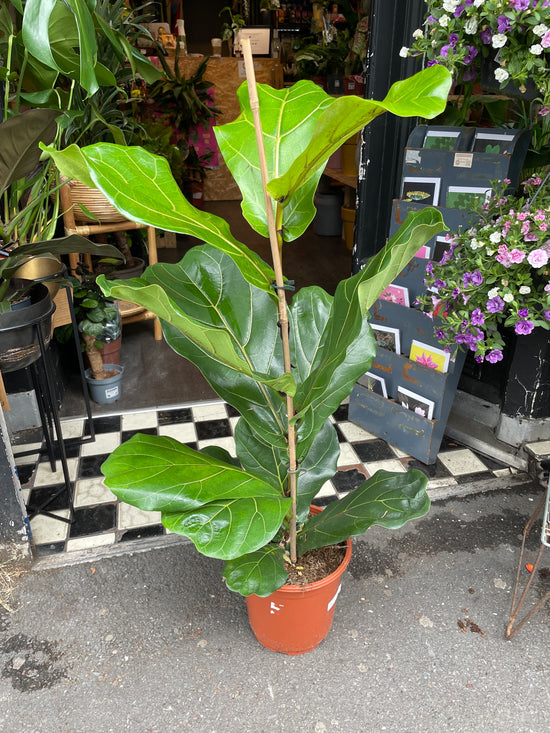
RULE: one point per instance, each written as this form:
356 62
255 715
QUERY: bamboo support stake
275 239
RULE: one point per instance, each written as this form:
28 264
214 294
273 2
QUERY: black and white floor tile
97 518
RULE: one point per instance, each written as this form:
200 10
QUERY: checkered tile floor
98 519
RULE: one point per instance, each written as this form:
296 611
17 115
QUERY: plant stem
275 240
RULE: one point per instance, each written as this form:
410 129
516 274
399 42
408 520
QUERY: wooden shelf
346 178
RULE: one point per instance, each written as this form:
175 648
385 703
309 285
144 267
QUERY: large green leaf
288 119
158 473
333 347
225 511
47 29
387 499
217 320
304 118
259 573
424 94
231 528
265 459
20 135
140 185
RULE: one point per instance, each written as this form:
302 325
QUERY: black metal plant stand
43 382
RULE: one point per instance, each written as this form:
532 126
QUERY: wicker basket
95 202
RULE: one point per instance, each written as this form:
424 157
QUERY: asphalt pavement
150 640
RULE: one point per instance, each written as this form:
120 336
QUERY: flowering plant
459 33
497 272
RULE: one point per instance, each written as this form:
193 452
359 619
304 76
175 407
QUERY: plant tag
463 160
111 392
333 601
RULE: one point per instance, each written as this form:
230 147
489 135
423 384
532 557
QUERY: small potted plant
285 368
100 330
495 274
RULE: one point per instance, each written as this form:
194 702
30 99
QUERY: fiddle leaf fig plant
285 368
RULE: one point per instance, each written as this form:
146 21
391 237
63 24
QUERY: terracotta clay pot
296 618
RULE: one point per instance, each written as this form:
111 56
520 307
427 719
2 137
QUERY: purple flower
546 315
479 359
477 317
486 36
472 278
503 24
495 304
523 312
523 328
470 56
494 356
440 284
444 51
458 11
520 4
453 39
429 268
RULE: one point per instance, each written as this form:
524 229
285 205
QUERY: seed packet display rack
441 165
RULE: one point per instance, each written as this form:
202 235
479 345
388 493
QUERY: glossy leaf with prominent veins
331 342
141 186
424 94
288 119
231 528
386 499
223 509
259 573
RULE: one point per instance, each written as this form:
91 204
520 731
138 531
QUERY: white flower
450 5
536 49
404 52
477 3
419 33
444 21
501 74
490 252
499 39
524 289
474 244
507 297
504 282
495 237
492 293
540 30
470 26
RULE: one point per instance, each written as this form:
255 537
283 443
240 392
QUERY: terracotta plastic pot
296 618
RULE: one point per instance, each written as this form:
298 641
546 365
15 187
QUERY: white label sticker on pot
333 601
111 392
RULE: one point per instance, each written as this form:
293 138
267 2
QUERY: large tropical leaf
333 347
47 29
225 511
304 118
20 135
270 461
225 326
288 119
259 573
387 499
141 186
424 94
231 528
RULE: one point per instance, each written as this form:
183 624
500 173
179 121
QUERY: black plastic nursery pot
19 334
